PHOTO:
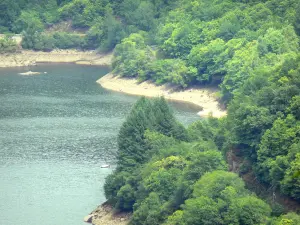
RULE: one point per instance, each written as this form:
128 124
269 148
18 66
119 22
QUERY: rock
30 73
105 166
88 218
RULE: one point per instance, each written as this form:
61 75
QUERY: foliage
131 56
207 60
138 140
288 219
219 197
7 45
9 12
46 42
264 121
173 71
28 20
249 48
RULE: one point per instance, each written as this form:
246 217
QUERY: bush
66 40
7 45
46 42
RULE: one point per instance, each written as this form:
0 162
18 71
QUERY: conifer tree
165 121
131 141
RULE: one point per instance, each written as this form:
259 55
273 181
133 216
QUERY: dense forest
166 173
169 174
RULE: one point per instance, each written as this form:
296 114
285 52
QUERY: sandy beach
202 97
29 58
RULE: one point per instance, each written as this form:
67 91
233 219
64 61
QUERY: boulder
88 218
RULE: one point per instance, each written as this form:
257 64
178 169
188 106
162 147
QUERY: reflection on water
57 129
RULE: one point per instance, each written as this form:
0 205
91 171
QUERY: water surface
56 130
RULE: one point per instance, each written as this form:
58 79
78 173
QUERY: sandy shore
202 97
29 58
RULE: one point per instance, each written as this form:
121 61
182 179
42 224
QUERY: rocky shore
204 98
29 58
105 215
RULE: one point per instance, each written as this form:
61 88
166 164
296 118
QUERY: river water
56 130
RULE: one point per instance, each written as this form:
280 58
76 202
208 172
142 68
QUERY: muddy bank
202 97
29 58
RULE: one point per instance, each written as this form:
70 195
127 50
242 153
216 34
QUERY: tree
239 69
173 71
9 12
28 20
113 31
274 146
219 197
205 57
146 115
295 107
132 147
8 45
165 121
148 212
291 182
212 184
125 197
248 210
288 219
132 56
278 41
113 183
201 211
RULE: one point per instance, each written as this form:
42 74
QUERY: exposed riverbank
30 58
202 97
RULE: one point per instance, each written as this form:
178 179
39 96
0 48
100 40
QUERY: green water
56 130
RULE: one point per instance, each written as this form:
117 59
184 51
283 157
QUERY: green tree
219 197
28 20
248 210
288 219
113 31
239 68
173 71
8 45
125 197
201 211
206 59
148 212
131 56
291 182
165 122
276 142
132 148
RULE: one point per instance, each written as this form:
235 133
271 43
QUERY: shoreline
202 97
31 58
105 214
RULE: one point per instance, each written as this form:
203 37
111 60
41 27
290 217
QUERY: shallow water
56 130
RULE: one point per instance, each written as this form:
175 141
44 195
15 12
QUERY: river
56 130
